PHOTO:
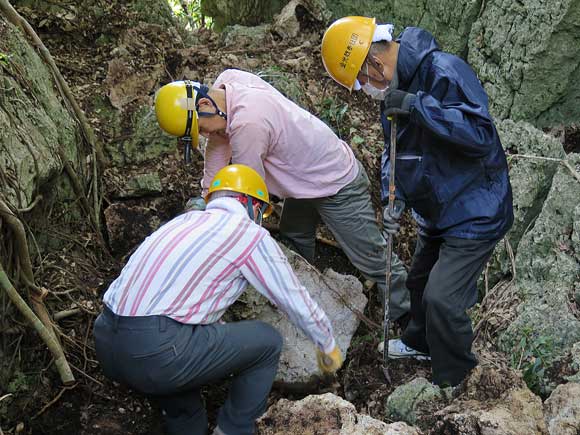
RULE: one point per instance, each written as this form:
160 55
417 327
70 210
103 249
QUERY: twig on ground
87 376
66 313
53 401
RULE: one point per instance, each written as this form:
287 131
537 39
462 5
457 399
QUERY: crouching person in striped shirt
159 331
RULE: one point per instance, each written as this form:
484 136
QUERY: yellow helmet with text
241 179
175 109
345 46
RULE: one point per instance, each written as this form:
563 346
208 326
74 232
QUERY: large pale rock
531 179
338 295
527 56
324 414
493 402
547 273
562 410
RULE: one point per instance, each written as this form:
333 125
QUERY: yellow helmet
345 46
241 179
175 109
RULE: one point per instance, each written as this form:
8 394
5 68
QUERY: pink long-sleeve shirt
298 155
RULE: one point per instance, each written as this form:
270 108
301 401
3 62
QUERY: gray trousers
350 216
170 362
443 285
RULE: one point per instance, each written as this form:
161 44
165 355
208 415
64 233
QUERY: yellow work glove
329 363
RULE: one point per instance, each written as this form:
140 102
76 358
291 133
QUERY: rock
492 402
574 363
324 414
244 12
35 126
245 36
545 328
403 403
140 185
298 16
337 294
530 179
129 80
562 410
515 46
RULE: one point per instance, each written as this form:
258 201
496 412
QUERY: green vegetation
530 356
333 112
190 12
4 58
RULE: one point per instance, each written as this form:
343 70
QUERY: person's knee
271 338
434 304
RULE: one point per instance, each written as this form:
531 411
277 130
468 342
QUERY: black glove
390 225
398 102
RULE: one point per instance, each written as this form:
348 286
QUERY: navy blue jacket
451 168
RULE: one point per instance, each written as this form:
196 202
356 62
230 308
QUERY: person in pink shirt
248 121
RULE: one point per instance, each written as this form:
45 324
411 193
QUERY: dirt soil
77 275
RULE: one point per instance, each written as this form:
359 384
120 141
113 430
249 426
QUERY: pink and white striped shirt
195 266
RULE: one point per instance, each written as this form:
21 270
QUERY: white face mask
371 91
374 93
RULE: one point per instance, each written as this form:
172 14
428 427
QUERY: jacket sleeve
457 114
268 271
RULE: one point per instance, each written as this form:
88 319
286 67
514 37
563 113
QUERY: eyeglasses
365 77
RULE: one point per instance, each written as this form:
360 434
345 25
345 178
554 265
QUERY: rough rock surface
548 269
531 179
515 46
492 402
297 15
323 415
244 12
34 123
562 410
404 402
330 291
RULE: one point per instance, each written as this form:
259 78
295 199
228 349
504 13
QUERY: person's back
184 269
159 331
299 155
466 192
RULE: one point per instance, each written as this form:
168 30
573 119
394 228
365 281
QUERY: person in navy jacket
450 170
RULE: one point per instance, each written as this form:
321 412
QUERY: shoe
398 349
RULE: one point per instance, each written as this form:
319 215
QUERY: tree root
48 337
41 321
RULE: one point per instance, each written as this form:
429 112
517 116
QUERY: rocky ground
113 71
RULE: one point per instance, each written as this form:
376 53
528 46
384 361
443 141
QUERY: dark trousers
170 362
443 285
